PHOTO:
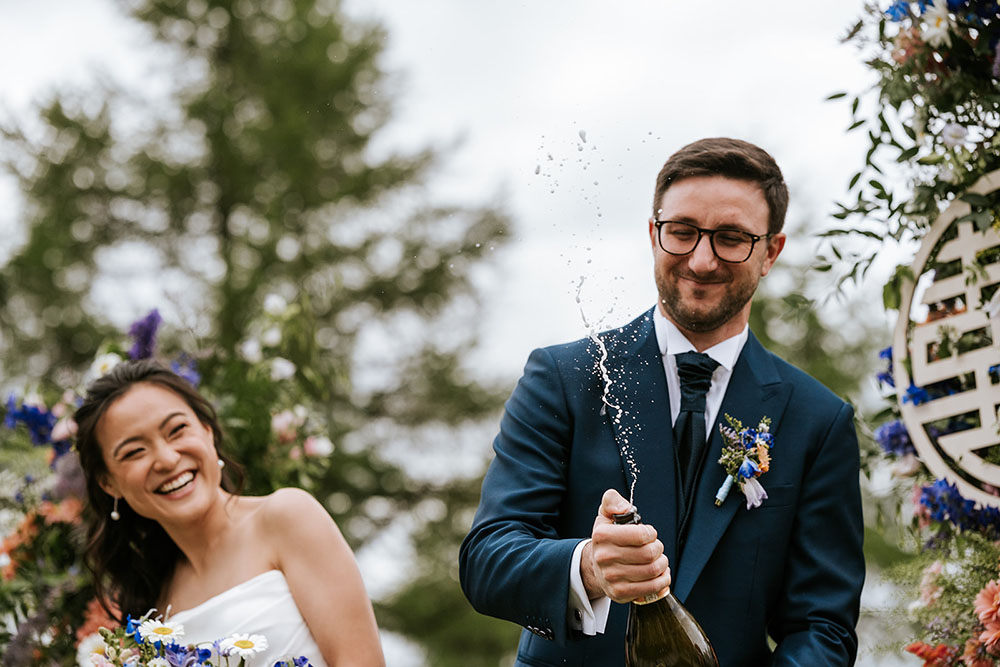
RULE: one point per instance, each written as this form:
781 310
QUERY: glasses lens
678 238
731 245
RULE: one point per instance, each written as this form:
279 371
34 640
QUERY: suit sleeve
513 563
819 604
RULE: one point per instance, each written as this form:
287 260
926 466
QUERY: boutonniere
745 457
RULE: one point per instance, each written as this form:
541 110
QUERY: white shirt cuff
585 615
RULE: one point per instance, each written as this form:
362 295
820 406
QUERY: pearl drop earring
222 464
114 511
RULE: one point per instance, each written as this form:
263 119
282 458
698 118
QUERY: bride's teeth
177 483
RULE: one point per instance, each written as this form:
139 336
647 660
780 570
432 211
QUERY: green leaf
975 199
836 96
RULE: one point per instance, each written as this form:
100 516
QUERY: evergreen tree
260 177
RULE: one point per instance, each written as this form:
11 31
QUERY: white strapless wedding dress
262 605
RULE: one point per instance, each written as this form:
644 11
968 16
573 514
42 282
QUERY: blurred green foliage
258 174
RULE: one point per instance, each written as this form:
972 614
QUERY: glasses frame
711 239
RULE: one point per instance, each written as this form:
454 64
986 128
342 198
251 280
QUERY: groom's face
707 298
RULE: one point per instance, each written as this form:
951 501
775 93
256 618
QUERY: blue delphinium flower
132 628
143 332
749 437
945 503
186 367
885 377
894 438
898 11
916 395
37 420
749 469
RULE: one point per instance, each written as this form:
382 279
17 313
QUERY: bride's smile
161 459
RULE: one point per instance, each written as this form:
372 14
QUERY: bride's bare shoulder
291 508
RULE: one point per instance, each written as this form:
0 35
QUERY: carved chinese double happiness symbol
947 354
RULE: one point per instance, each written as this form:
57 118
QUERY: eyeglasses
729 245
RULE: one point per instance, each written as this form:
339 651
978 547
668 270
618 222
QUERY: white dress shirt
591 616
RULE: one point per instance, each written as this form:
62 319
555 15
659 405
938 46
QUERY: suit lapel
755 390
642 426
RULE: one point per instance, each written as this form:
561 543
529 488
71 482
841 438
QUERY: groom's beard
701 315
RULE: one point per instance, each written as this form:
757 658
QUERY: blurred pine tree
261 177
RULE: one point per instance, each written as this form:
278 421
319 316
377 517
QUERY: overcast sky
563 111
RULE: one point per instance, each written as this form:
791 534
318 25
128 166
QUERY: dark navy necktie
695 372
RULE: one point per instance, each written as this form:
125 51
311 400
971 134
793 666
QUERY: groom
579 435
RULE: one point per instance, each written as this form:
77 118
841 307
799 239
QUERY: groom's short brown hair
731 158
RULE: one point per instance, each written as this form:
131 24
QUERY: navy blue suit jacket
791 569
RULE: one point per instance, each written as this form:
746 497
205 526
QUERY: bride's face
160 458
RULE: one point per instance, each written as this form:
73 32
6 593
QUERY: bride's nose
165 457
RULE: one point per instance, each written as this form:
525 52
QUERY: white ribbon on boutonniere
745 457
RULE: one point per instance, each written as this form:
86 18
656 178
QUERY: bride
170 530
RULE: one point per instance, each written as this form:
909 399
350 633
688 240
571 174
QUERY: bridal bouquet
151 642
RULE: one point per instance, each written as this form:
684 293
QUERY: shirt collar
671 341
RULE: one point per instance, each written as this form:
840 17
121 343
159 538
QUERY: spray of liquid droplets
626 451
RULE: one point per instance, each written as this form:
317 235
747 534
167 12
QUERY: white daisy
103 364
937 24
242 645
158 662
90 645
157 631
953 134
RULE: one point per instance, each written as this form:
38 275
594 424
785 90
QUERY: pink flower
64 429
317 446
975 655
920 511
990 637
988 604
285 425
930 589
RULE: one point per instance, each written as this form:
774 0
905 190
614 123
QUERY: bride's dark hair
133 558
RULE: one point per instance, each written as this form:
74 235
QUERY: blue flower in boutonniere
745 457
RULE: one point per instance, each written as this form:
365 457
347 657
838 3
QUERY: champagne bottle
661 632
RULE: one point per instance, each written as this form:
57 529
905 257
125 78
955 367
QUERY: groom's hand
623 562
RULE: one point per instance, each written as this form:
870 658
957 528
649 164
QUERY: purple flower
894 438
143 332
